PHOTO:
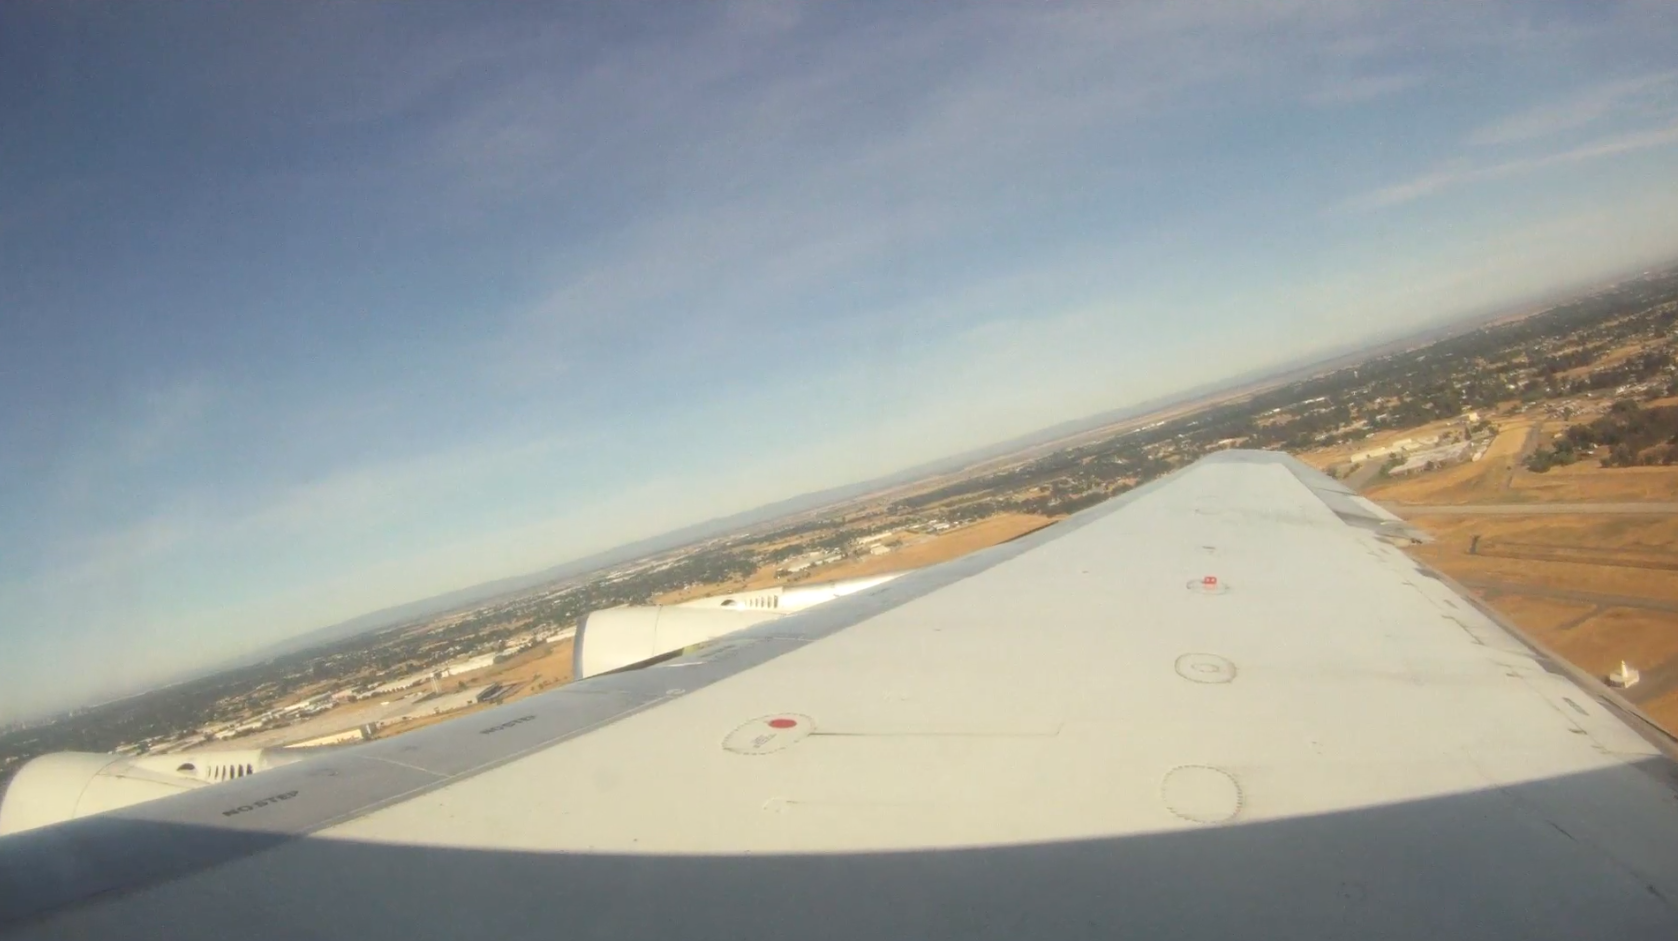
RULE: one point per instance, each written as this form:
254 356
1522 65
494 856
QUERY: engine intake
66 785
619 637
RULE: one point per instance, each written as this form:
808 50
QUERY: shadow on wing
1553 858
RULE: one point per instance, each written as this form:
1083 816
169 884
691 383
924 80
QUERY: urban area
1539 451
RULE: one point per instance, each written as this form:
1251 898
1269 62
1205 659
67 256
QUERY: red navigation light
1210 581
782 723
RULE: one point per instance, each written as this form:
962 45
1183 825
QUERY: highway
1533 509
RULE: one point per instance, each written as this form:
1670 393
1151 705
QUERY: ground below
1582 558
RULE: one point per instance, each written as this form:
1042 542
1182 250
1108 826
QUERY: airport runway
1361 478
1566 594
1533 509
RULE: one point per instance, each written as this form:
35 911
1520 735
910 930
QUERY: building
1436 456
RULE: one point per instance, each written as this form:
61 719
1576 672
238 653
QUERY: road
1567 594
1528 445
1533 509
1366 472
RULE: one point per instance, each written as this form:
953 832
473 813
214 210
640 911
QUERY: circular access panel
1207 585
767 734
1205 668
1201 794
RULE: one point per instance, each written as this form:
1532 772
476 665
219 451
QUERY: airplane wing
1222 705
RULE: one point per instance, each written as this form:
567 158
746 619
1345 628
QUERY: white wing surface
1223 705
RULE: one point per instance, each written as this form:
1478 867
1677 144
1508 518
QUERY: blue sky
310 309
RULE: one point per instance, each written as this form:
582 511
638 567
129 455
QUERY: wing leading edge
1221 704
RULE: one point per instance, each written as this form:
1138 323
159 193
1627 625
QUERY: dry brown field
1487 480
917 551
930 550
542 668
1610 555
398 728
538 669
1595 589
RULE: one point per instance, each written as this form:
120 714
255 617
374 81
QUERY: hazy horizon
1263 377
313 310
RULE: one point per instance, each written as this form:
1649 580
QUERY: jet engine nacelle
620 637
67 785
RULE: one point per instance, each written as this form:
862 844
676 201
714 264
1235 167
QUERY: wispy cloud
1574 111
1365 88
343 503
529 282
1456 174
870 151
155 422
166 416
